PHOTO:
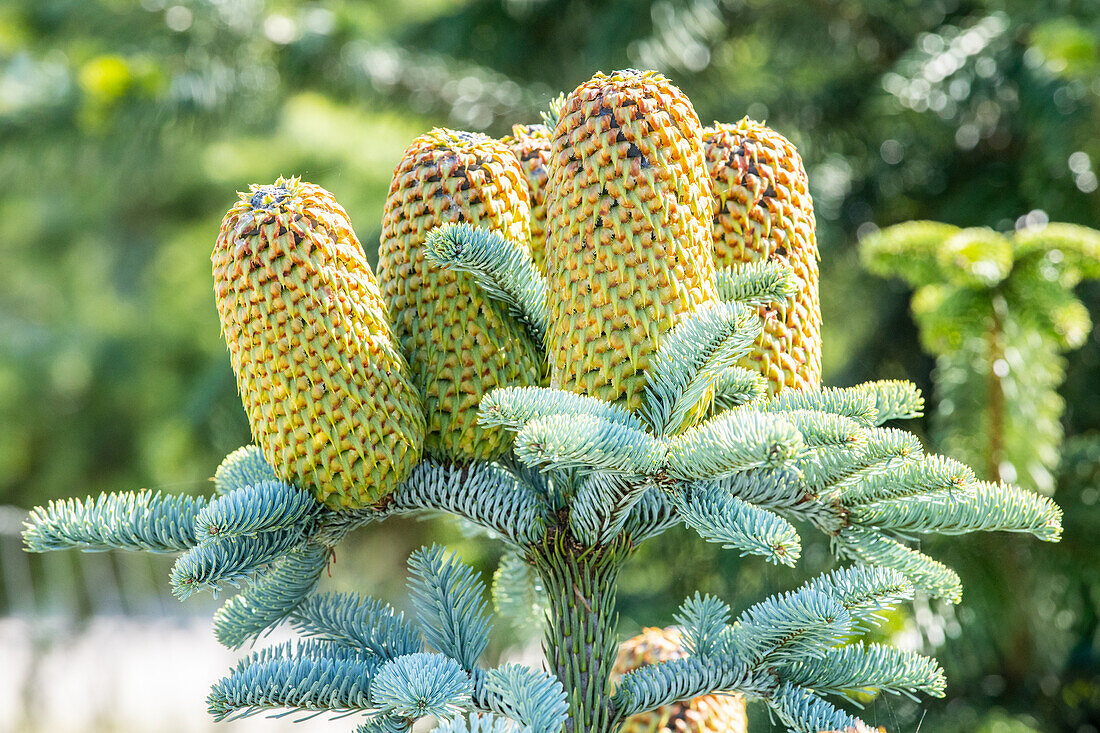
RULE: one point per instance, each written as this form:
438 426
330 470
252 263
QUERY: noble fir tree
999 311
661 371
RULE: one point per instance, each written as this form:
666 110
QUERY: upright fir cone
324 384
763 211
704 714
460 344
628 211
531 144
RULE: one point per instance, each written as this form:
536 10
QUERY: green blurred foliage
125 128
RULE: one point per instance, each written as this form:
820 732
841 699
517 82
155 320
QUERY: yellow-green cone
628 212
531 145
704 714
459 343
324 384
763 211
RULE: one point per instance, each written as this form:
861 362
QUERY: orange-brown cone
763 211
628 210
531 145
460 344
324 384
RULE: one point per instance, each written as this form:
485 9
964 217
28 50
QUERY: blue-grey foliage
230 560
367 625
518 594
259 507
502 269
450 603
682 374
246 616
243 467
791 626
482 493
734 441
872 668
421 684
703 621
802 710
514 407
140 520
535 699
309 676
756 283
718 516
736 386
654 685
589 442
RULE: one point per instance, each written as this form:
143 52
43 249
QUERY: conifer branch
602 506
738 386
874 548
664 683
1077 247
230 560
518 594
689 360
805 712
651 515
385 724
980 507
502 269
312 677
421 684
872 668
243 467
260 507
911 478
704 620
536 699
514 407
738 440
790 626
347 620
482 493
142 521
586 442
757 283
719 517
907 250
857 403
449 601
246 616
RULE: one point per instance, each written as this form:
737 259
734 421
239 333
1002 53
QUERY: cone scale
628 210
326 389
460 344
763 212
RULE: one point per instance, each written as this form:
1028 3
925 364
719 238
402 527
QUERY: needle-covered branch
501 268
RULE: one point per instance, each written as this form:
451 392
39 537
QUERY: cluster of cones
627 205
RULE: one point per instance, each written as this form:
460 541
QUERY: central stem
581 638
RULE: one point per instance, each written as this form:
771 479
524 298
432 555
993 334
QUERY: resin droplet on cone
460 343
324 384
628 212
531 145
704 714
763 212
